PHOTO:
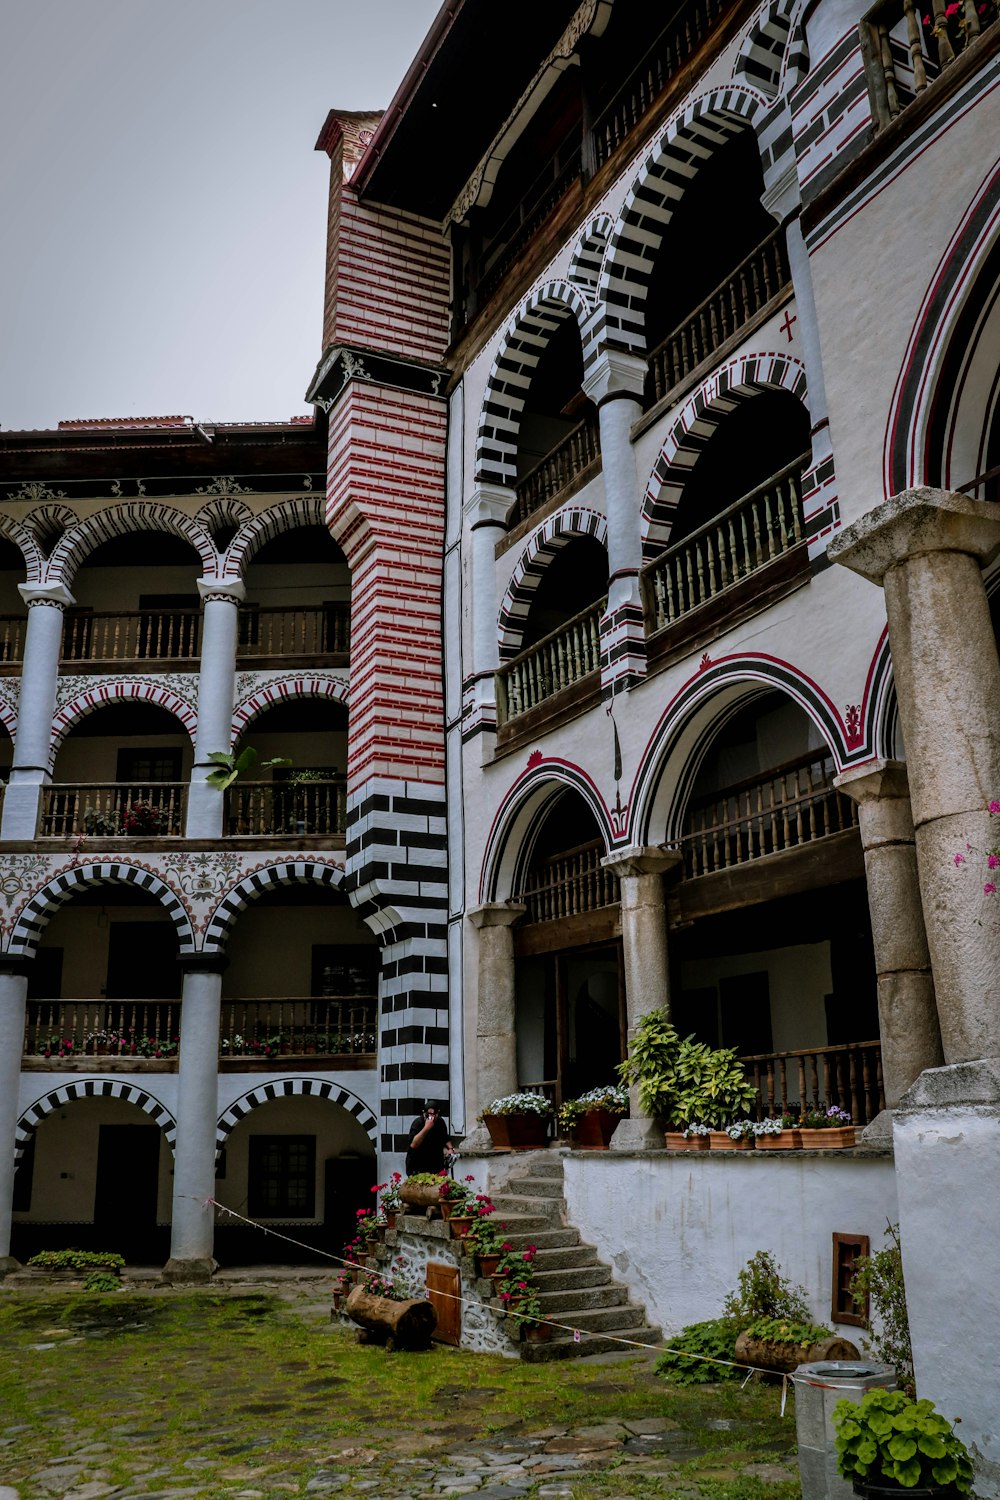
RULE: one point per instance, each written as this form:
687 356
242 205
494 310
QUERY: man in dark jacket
429 1141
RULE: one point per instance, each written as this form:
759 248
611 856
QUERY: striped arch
24 541
588 257
771 57
93 1088
118 520
693 718
8 711
284 690
265 878
120 690
47 524
224 511
687 141
35 914
304 510
286 1088
562 526
692 428
520 816
522 345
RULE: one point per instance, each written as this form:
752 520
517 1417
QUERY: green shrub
712 1340
76 1260
762 1292
880 1277
781 1331
886 1436
101 1281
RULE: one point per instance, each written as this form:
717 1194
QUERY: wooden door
444 1289
128 1163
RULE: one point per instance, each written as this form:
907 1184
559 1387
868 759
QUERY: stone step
542 1233
568 1255
561 1346
573 1275
528 1226
517 1203
555 1303
535 1187
540 1164
600 1319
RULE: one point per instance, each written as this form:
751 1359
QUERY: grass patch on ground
260 1392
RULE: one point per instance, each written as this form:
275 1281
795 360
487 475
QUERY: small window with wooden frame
848 1250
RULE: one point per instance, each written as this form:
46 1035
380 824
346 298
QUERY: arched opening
298 592
569 984
310 795
136 603
95 1174
558 439
13 613
301 1164
772 951
122 771
6 755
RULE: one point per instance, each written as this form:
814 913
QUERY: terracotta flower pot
786 1140
721 1140
593 1130
676 1140
488 1264
827 1140
538 1333
460 1225
391 1214
518 1132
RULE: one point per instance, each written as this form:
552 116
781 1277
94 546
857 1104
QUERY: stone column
36 708
496 1021
216 694
926 547
13 992
647 971
908 1022
192 1233
616 384
486 514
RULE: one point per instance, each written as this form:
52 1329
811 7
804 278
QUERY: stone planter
422 1195
827 1140
721 1140
676 1140
593 1130
518 1132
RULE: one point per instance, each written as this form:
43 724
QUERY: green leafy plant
230 767
76 1260
101 1281
763 1292
711 1340
652 1063
880 1277
888 1436
612 1097
782 1331
686 1082
424 1179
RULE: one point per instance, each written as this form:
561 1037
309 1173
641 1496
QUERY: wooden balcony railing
102 1028
12 633
671 50
571 883
907 46
558 661
321 631
849 1076
753 284
794 804
142 634
578 450
331 1024
268 808
113 809
761 527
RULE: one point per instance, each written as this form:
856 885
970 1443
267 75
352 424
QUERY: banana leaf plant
230 767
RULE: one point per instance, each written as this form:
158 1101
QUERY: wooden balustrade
760 527
318 631
578 450
558 661
143 634
329 1024
794 804
907 46
754 283
265 809
102 1028
12 633
572 882
673 47
113 809
848 1076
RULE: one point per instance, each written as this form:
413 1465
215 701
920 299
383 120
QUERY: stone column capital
228 591
496 914
489 505
652 859
881 788
914 524
56 594
202 963
615 373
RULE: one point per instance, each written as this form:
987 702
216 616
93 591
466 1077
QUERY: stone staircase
575 1288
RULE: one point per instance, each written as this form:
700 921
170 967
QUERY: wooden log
397 1325
422 1195
783 1358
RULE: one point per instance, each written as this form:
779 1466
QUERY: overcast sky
163 212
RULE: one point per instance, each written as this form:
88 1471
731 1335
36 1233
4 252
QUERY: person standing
428 1142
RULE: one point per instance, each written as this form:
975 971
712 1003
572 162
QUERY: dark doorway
142 961
125 1216
347 1186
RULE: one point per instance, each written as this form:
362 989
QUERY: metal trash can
818 1388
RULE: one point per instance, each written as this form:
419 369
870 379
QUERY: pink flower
995 808
989 889
993 860
959 860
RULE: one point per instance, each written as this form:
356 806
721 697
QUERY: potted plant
774 1134
456 1203
390 1201
518 1122
739 1135
423 1190
593 1118
489 1242
890 1445
825 1129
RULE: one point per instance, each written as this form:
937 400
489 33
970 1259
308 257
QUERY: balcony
567 659
12 633
113 810
569 885
139 636
849 1076
566 469
745 299
907 49
274 635
277 809
257 1034
733 565
794 804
